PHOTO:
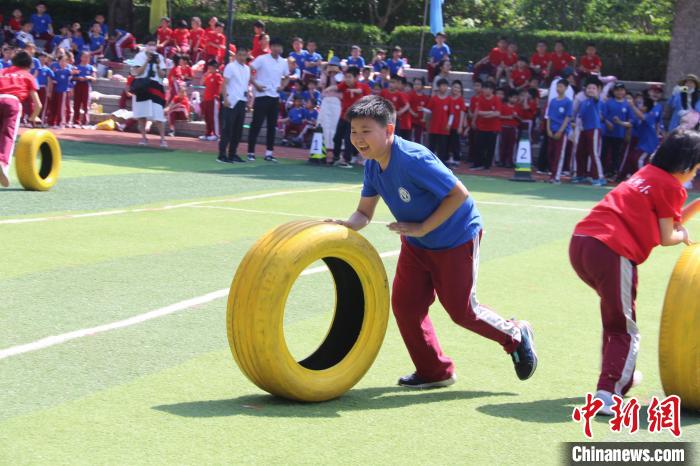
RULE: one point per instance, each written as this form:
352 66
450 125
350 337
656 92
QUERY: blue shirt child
62 79
44 73
620 109
437 53
296 115
558 111
413 186
40 23
591 113
358 62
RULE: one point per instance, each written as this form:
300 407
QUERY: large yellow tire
256 303
679 338
38 173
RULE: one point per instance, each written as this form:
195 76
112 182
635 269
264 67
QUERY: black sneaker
413 381
524 357
222 159
235 159
251 157
270 158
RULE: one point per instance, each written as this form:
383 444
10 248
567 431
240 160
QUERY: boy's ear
390 129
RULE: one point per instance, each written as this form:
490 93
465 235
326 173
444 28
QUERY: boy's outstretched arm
673 233
447 207
690 210
362 216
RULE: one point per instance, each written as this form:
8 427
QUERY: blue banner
436 24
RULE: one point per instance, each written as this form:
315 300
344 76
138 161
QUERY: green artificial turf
168 391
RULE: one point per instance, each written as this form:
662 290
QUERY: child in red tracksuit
81 92
618 234
509 129
439 126
440 230
418 100
179 109
211 102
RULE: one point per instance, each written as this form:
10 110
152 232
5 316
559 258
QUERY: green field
173 226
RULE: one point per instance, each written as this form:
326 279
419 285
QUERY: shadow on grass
378 398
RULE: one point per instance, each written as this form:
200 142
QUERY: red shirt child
197 39
350 98
214 40
520 76
181 36
508 111
627 219
399 100
440 108
164 35
17 82
497 56
15 23
560 61
181 104
591 63
417 101
484 104
212 85
542 60
457 107
527 110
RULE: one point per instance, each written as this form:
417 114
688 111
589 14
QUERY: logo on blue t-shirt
404 194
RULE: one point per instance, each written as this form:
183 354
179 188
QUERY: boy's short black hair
533 93
275 41
543 42
590 44
397 48
457 81
440 34
421 79
679 152
477 81
504 38
297 39
22 60
219 24
593 80
442 81
512 93
489 85
242 48
297 97
213 63
353 70
648 103
564 82
383 67
560 41
374 107
259 24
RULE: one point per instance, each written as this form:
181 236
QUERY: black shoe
524 357
235 159
413 381
270 158
222 159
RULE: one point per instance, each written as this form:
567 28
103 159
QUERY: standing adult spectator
271 73
234 92
148 69
684 99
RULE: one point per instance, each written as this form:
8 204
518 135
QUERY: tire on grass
679 336
256 304
38 173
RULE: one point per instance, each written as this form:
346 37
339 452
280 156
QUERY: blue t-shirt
358 62
437 53
620 109
558 111
658 112
413 186
313 58
44 73
62 79
300 59
308 95
378 65
104 29
395 65
591 113
40 23
84 71
5 63
645 131
79 43
296 115
311 115
96 42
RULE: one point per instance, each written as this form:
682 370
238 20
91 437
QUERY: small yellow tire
38 173
679 336
256 306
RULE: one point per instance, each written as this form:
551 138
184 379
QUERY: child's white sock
268 153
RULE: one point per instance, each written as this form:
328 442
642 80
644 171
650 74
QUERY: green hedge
630 57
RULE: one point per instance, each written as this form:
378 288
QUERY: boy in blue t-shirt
355 59
617 120
396 63
44 77
42 26
559 113
588 162
440 50
312 62
440 230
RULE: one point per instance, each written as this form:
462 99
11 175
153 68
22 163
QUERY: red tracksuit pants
588 160
10 115
81 98
210 111
59 108
451 274
614 278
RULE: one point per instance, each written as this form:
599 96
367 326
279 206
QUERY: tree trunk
684 52
121 15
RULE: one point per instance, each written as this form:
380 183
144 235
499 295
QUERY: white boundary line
138 319
271 212
14 221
